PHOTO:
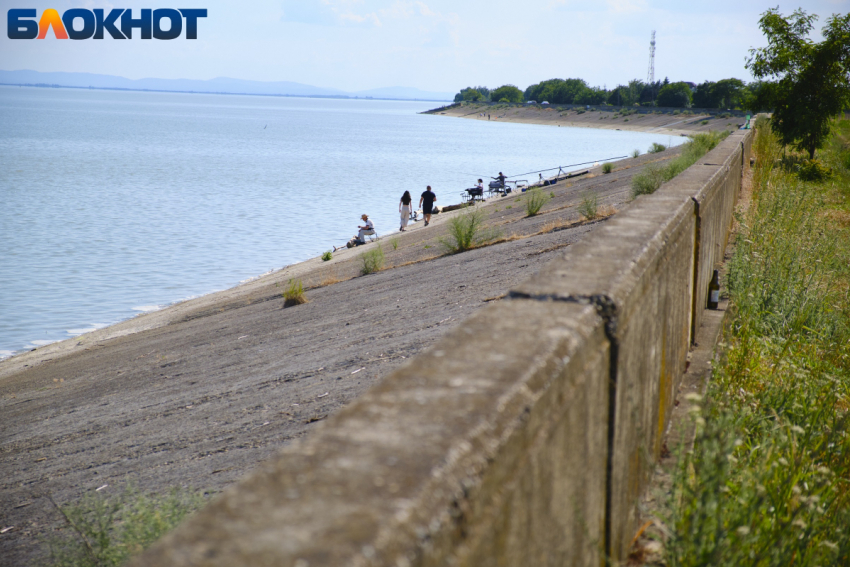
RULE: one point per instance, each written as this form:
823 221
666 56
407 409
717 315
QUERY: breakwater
524 436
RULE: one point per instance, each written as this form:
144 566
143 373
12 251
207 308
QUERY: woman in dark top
404 209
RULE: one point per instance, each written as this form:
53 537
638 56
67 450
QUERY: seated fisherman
368 228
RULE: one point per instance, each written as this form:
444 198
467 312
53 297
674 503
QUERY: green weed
636 153
535 200
294 294
654 175
394 243
607 167
373 261
656 148
327 256
103 531
589 206
467 231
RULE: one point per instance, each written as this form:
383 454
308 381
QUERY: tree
811 83
728 93
506 93
704 96
473 94
675 94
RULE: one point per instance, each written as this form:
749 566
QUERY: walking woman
404 209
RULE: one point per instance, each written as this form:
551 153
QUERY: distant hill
217 85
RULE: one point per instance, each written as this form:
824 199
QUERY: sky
433 45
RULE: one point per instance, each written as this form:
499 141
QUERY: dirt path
199 394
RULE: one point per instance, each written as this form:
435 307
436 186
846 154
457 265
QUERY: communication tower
650 75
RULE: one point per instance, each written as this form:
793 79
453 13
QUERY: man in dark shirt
426 201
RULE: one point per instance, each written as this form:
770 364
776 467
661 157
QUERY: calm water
116 203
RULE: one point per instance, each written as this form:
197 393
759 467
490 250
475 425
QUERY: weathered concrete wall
524 437
483 451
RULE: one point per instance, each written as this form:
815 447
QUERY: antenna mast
650 75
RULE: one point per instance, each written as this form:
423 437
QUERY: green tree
811 83
508 92
704 96
473 94
675 94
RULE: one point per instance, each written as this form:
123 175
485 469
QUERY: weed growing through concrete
654 175
467 231
535 200
294 294
766 482
657 148
607 167
636 153
589 206
327 256
102 531
394 243
373 261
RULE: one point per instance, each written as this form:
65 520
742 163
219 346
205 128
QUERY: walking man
426 201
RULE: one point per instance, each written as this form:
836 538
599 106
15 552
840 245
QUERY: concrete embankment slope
525 436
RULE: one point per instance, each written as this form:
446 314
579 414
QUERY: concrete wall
530 451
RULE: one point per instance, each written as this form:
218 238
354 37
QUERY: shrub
294 294
589 206
656 148
327 256
813 170
467 231
653 175
636 153
607 167
534 201
106 531
373 261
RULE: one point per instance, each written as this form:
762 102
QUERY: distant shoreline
682 122
93 88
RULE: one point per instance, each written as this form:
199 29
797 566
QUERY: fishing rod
542 170
565 166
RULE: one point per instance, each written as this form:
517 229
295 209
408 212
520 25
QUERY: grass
373 261
294 294
654 175
607 167
394 243
103 531
768 480
467 231
589 206
656 148
326 256
535 199
636 153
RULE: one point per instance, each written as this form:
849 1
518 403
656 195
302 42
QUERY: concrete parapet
637 270
488 449
523 437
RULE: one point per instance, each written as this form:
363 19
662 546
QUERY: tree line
725 94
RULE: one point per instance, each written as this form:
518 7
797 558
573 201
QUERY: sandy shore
201 392
606 118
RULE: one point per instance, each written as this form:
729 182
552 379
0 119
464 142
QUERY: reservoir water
117 203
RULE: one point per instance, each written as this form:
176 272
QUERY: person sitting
477 190
366 229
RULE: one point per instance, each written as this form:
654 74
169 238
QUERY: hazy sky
438 45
